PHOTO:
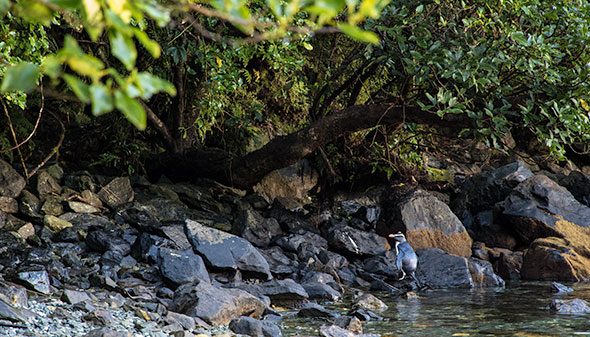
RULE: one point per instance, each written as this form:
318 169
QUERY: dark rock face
253 327
37 280
215 305
439 269
292 242
555 259
102 241
253 227
575 306
225 251
536 207
13 314
283 292
11 183
484 190
315 310
484 227
179 267
278 262
352 241
578 184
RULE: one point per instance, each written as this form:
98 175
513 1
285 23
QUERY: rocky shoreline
88 255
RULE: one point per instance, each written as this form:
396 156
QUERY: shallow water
519 309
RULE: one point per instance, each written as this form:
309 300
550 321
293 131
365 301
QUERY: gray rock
383 265
578 184
575 306
215 305
176 234
13 314
558 288
102 241
16 295
91 198
74 296
278 262
332 260
85 221
350 240
52 206
336 331
252 226
439 269
29 204
35 280
223 251
321 291
244 325
187 322
11 183
107 332
284 292
369 302
8 204
179 267
81 207
55 224
349 323
292 242
46 184
117 192
315 310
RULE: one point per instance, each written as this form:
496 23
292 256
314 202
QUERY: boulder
82 207
336 331
8 204
252 226
292 242
117 192
37 280
224 251
47 184
278 262
578 184
352 241
370 302
315 310
55 224
13 314
102 241
557 259
575 306
11 183
178 267
537 207
349 323
484 227
216 306
284 292
244 325
439 269
321 291
481 192
429 223
289 185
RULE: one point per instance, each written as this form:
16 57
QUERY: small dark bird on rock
405 257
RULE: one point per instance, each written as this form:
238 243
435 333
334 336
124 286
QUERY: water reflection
517 310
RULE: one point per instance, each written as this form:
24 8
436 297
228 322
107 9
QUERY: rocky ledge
90 255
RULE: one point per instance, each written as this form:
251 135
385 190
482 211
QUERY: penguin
405 257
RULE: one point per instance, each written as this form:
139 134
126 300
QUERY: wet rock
429 223
292 242
29 204
284 292
11 183
439 269
289 185
117 192
253 327
74 296
146 247
102 241
252 226
55 224
332 260
369 302
382 265
179 267
81 207
336 331
225 251
278 262
558 288
290 222
363 212
321 291
52 206
13 314
575 306
538 207
107 332
349 323
483 191
215 305
557 259
350 240
68 234
315 310
8 204
37 280
46 184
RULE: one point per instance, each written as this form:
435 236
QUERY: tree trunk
282 151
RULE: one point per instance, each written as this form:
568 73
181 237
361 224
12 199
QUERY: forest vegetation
232 89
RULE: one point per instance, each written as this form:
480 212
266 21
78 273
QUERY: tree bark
282 151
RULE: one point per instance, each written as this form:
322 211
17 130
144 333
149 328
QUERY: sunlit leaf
4 6
22 76
131 109
51 66
67 4
123 48
93 11
519 37
151 84
102 100
157 12
275 7
359 34
120 8
34 12
86 65
80 89
152 46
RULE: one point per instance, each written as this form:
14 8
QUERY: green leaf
67 4
80 89
152 46
51 66
359 34
420 9
519 37
34 12
4 7
275 6
22 76
131 109
151 84
102 100
123 48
